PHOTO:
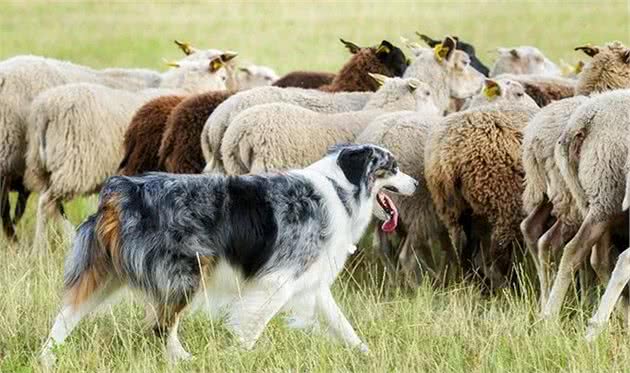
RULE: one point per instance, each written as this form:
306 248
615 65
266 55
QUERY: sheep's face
499 91
198 76
255 76
608 69
464 81
523 60
403 94
392 58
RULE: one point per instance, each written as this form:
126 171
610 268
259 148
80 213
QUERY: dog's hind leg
73 312
619 279
337 322
257 305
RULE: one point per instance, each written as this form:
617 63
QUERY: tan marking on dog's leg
618 281
574 254
169 317
108 230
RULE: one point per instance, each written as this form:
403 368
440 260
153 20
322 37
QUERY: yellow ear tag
215 64
491 92
440 52
578 67
383 49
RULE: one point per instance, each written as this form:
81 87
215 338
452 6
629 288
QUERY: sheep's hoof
363 348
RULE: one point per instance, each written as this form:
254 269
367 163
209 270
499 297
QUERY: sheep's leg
41 225
618 281
20 207
5 210
574 254
533 227
458 243
452 263
600 257
547 244
499 256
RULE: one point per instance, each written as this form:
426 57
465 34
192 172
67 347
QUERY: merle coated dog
260 243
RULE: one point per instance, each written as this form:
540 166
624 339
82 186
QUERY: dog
260 243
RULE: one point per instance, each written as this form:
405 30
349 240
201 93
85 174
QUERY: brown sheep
474 173
304 79
144 135
180 151
607 70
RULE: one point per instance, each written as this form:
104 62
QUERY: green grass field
443 330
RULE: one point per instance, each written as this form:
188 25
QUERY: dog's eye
380 173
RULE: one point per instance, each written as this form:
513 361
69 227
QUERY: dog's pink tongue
390 224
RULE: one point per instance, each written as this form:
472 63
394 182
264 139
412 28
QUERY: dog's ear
354 161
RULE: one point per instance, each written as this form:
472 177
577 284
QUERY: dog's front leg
336 321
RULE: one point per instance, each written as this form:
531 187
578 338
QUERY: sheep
547 200
280 136
474 174
591 155
149 128
304 79
447 70
469 49
405 134
609 69
22 78
385 59
523 60
251 76
180 149
64 161
544 89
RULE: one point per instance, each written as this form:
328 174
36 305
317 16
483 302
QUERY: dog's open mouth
386 203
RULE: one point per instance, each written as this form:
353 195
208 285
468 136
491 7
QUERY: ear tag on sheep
378 78
185 47
578 67
382 49
215 65
491 90
440 52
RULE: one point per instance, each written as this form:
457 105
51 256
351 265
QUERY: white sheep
22 78
281 136
76 133
251 76
523 60
591 155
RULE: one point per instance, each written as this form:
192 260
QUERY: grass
447 330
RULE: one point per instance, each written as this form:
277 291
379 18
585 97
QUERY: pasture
452 329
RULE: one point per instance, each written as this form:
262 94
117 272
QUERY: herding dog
265 243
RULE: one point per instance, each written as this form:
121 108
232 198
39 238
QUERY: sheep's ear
228 55
491 89
245 70
589 50
378 78
170 63
514 53
384 48
580 65
215 64
413 84
185 47
353 48
444 50
430 42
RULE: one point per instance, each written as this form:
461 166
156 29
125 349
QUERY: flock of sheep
519 153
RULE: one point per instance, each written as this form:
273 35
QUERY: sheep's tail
535 180
236 150
206 149
95 254
567 155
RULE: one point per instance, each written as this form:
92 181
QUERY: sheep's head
467 48
255 76
199 75
463 80
500 91
523 60
608 69
403 94
194 54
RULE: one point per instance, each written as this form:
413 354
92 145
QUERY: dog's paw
363 348
47 360
592 331
175 355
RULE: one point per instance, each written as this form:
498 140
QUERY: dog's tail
94 257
